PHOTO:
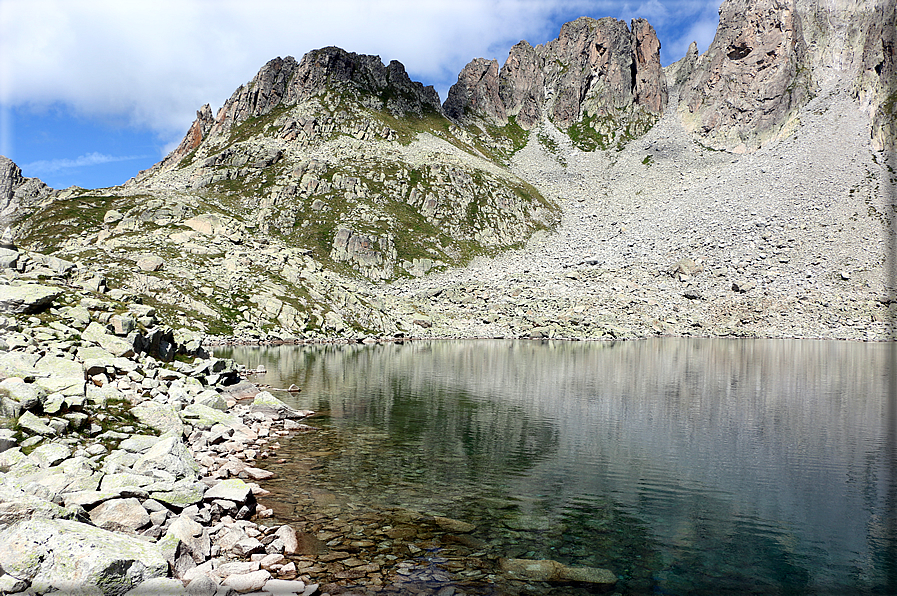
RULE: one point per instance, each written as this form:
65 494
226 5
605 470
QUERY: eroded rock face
650 83
597 73
367 74
679 71
258 97
477 91
17 193
836 32
755 75
284 81
768 59
198 131
374 255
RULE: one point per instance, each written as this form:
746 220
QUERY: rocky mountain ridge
599 80
334 197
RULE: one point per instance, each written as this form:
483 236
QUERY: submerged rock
269 405
546 570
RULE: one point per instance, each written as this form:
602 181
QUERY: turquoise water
685 466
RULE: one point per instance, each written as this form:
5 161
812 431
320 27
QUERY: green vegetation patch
47 229
610 131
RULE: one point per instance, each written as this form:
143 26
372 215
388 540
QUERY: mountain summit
579 190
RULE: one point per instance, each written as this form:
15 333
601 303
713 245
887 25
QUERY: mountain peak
599 80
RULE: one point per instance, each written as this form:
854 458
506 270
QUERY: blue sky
92 91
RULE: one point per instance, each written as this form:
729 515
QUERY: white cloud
701 30
155 62
50 166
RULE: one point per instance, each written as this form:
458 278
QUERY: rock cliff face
855 41
17 193
753 78
599 80
476 93
769 58
679 71
876 83
285 82
198 131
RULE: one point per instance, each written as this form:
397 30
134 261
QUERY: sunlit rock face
17 193
752 79
770 58
598 74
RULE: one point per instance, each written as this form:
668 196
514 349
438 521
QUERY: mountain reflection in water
685 466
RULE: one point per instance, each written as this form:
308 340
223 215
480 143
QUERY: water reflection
686 466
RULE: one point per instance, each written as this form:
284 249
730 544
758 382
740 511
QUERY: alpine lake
684 466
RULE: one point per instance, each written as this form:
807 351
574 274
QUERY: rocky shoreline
127 462
131 463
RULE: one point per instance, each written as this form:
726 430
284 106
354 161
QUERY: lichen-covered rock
34 425
232 489
205 417
193 536
70 556
269 405
161 417
18 505
171 455
27 395
116 346
375 256
27 298
50 454
120 515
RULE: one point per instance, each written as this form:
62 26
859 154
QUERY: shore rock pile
123 470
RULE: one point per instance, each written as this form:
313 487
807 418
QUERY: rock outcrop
338 154
477 92
855 41
753 78
198 131
876 83
17 193
598 76
286 82
679 71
